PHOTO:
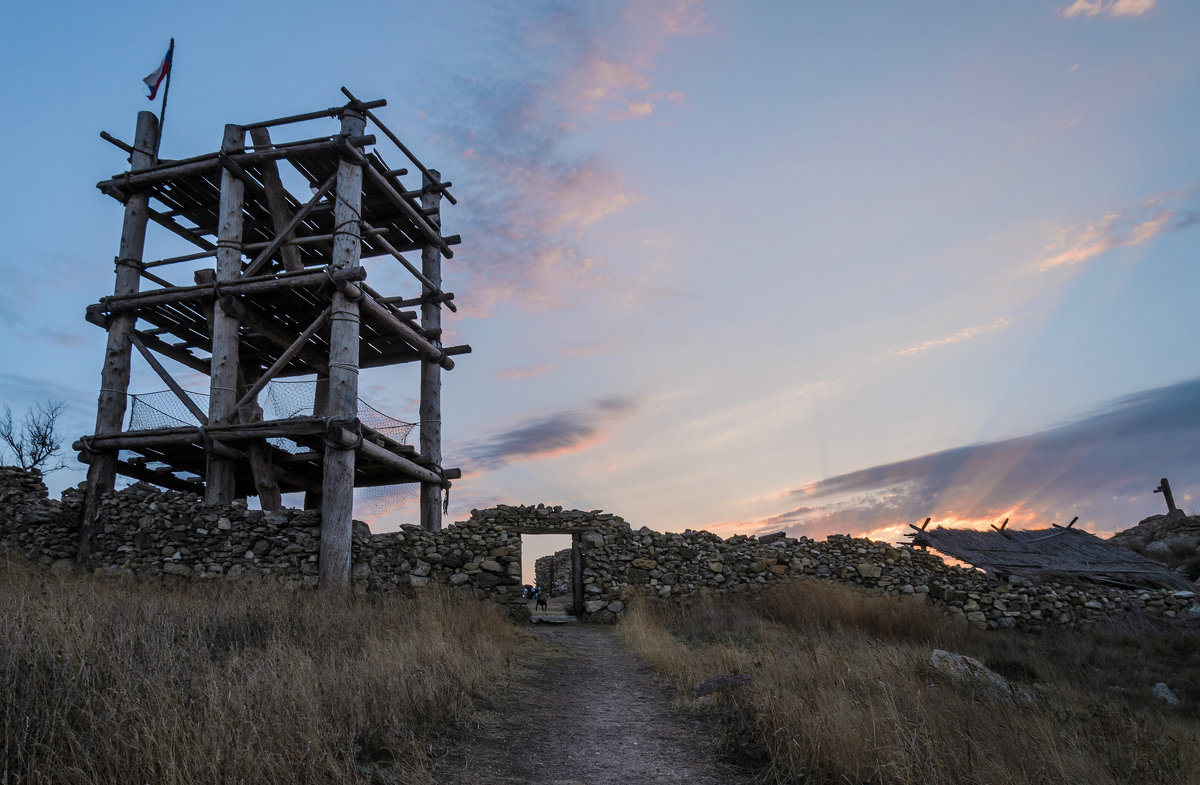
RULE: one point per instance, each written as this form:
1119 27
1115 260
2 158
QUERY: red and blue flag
157 76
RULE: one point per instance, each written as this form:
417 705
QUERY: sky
822 267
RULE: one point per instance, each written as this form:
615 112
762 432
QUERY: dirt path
585 712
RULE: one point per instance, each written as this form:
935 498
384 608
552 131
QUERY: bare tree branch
36 440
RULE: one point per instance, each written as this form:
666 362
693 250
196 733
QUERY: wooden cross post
219 487
337 488
114 378
1164 488
431 372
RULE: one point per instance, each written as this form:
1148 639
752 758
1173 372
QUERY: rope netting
281 400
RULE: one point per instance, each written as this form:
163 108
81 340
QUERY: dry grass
842 692
230 684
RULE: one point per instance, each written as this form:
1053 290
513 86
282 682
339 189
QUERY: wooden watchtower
278 290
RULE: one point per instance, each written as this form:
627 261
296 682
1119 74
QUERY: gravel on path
583 711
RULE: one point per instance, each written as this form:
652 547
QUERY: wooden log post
223 387
1164 487
337 487
114 377
259 451
431 372
276 200
312 499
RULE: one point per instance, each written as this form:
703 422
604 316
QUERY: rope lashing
354 426
87 446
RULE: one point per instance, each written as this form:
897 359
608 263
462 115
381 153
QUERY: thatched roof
1060 553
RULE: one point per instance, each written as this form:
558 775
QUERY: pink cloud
534 195
1074 245
956 337
1113 9
528 372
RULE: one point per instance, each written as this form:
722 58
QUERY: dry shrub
842 692
234 684
823 606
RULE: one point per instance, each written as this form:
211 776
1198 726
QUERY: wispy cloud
535 191
1112 9
1128 228
956 337
1102 467
552 435
526 372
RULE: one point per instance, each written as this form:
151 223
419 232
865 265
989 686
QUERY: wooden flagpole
162 112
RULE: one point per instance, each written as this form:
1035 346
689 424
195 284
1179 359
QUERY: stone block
868 570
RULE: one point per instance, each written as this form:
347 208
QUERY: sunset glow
746 267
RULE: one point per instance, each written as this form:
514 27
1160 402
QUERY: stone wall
146 533
553 572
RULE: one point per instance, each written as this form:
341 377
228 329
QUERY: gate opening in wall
550 562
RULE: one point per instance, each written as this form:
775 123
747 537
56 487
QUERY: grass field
841 691
106 683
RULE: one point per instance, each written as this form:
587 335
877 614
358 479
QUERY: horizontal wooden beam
335 111
304 279
381 314
374 452
122 185
403 302
226 432
163 478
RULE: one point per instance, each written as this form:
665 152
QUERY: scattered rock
1166 694
968 669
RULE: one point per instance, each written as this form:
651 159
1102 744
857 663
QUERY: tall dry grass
230 684
841 691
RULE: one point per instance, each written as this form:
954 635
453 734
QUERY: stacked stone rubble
147 533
